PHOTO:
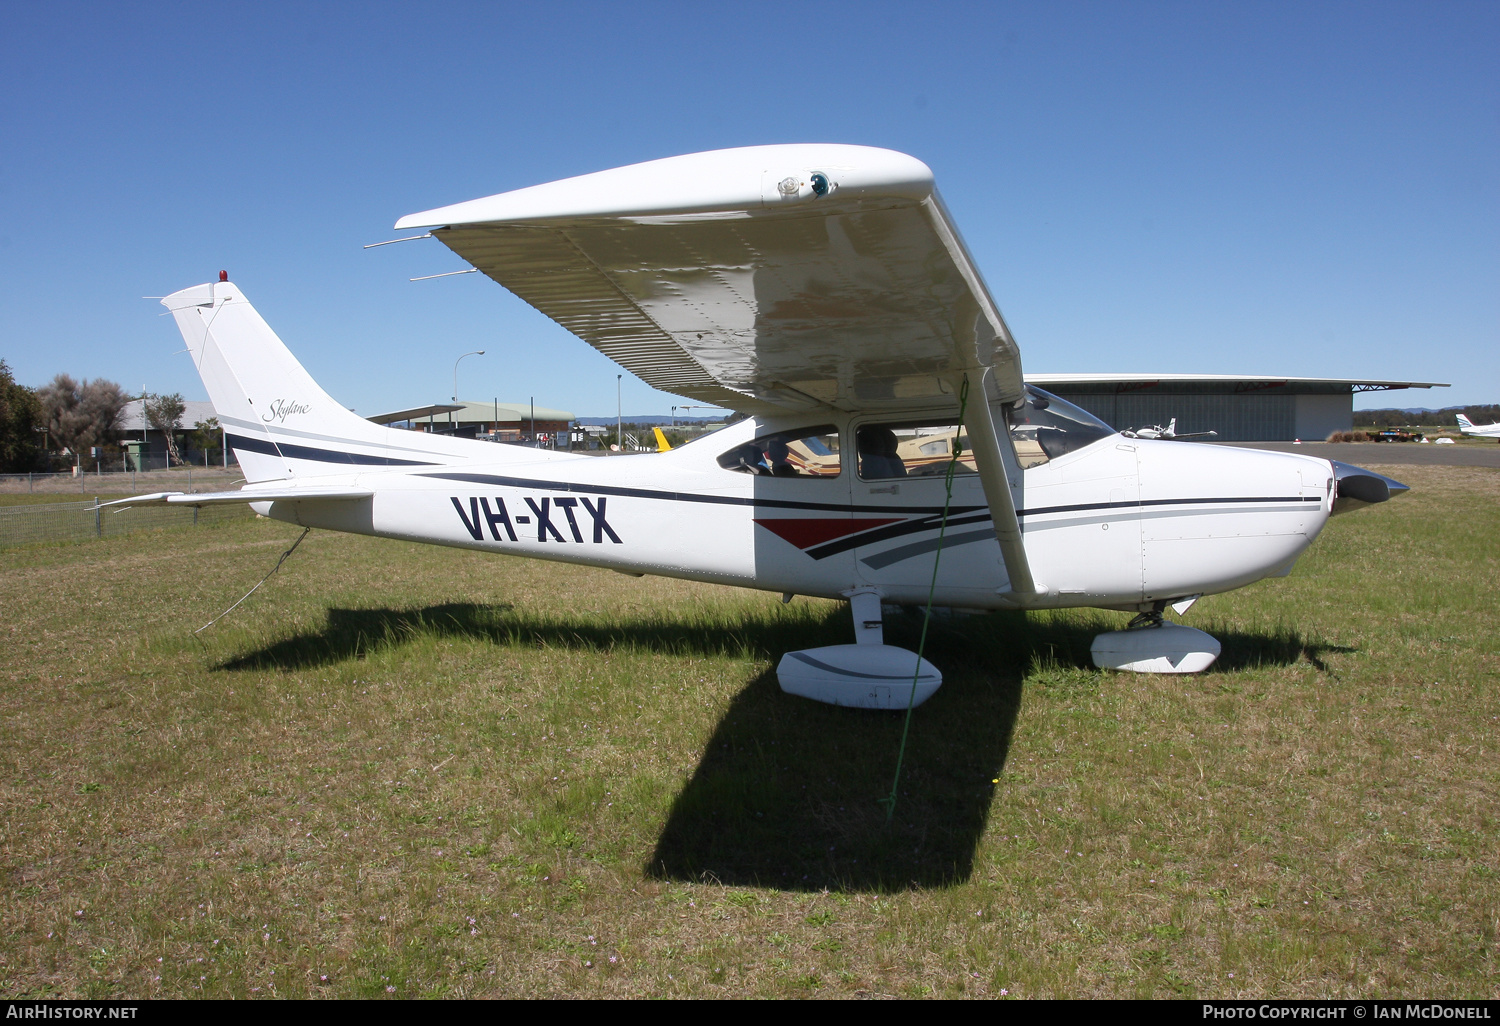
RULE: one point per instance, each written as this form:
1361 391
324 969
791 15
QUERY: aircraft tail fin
255 383
662 445
1464 422
278 420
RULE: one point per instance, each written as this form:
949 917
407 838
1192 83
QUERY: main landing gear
866 675
1152 644
873 675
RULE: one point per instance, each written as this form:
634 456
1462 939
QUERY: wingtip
740 178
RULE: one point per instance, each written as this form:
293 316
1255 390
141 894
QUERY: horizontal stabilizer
227 498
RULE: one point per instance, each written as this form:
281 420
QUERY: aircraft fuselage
1119 523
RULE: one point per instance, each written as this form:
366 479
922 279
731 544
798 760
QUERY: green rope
963 405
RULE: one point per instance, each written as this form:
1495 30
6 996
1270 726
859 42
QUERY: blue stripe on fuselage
267 447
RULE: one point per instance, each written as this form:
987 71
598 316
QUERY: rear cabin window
911 449
804 453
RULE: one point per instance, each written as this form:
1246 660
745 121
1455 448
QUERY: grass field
411 771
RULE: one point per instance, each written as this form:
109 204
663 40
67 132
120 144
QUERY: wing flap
547 269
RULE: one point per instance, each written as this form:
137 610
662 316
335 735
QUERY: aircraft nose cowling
1357 487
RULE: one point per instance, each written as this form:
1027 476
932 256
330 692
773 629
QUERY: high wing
762 279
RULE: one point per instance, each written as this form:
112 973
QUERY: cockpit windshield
1044 427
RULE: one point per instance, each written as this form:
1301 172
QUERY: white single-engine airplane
823 291
1468 427
1169 432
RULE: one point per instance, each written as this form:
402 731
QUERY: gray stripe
278 429
884 559
881 560
805 658
1047 525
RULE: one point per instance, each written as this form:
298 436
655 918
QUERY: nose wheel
1152 644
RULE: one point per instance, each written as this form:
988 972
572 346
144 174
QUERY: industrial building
493 420
141 441
1240 408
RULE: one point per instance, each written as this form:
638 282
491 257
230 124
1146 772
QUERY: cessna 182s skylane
824 291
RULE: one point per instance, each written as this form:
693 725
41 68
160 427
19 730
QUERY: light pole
477 352
674 418
619 416
697 407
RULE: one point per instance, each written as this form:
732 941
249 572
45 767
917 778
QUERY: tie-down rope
305 532
963 404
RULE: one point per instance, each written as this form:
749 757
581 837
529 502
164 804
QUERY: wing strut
984 437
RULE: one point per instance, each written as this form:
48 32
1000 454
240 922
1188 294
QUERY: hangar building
1241 408
500 422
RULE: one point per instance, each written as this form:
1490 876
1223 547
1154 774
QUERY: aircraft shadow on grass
787 793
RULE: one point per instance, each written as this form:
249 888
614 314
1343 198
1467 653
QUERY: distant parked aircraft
1167 433
1468 427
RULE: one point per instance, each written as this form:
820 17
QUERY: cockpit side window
804 452
1044 427
911 449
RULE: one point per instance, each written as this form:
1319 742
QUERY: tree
205 435
20 420
80 415
1425 418
164 413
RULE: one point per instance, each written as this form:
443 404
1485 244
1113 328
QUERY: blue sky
1267 188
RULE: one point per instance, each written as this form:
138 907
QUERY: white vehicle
824 291
1468 427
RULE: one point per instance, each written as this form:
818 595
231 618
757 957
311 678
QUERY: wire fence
89 482
89 521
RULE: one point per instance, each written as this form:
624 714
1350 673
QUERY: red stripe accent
805 532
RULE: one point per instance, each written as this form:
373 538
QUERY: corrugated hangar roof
466 412
1218 383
